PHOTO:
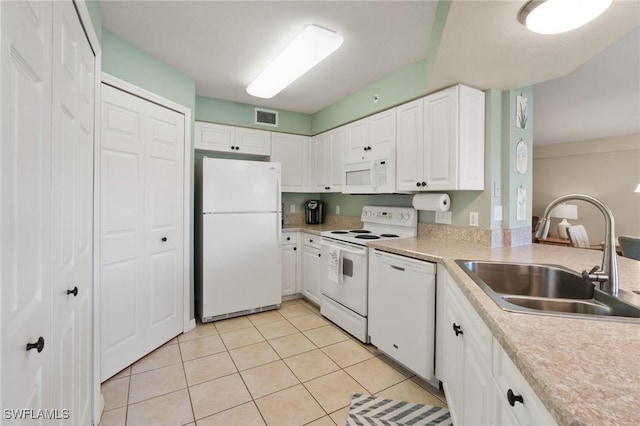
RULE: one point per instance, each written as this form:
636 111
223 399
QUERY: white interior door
141 227
163 224
25 154
72 215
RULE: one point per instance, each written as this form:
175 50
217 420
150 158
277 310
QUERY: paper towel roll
434 202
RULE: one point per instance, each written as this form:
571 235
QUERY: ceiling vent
266 117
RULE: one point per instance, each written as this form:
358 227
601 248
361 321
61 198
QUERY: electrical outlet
337 209
473 218
496 189
443 217
292 209
497 213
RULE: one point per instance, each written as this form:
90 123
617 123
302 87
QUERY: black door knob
457 329
74 291
319 255
164 239
295 248
512 398
424 183
39 345
237 148
288 238
418 184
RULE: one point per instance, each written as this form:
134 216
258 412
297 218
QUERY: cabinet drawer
510 384
288 238
312 240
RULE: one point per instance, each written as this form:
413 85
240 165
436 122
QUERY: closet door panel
25 155
164 218
72 213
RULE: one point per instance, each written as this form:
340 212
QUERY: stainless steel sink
546 290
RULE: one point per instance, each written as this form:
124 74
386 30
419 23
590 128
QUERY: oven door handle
358 252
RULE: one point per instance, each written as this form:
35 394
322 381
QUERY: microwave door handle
373 174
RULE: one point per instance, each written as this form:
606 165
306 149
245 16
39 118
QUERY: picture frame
522 112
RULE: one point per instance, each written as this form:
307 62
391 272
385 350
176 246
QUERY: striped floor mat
371 410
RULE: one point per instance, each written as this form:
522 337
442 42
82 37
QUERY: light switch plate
443 217
497 213
292 209
473 218
337 209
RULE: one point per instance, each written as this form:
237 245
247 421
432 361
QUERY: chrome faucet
608 273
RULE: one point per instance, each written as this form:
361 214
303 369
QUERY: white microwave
374 175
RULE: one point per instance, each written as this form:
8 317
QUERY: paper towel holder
433 202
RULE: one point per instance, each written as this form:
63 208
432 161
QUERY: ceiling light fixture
310 46
558 16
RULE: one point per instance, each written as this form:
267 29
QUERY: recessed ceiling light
558 16
310 46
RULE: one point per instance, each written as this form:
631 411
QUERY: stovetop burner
360 231
367 237
389 235
339 232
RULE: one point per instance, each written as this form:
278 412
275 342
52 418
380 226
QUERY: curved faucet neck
609 256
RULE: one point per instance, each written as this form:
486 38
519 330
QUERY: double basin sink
546 290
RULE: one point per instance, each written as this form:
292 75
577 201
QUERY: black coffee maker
314 212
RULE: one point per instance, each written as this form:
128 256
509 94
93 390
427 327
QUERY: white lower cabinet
476 373
514 402
290 275
311 267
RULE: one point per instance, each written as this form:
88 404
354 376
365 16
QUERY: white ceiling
222 45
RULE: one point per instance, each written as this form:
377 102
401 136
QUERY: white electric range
345 264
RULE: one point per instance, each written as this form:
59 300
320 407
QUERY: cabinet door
289 265
476 387
410 152
334 160
320 149
252 141
311 274
356 139
382 131
441 139
214 137
25 188
292 151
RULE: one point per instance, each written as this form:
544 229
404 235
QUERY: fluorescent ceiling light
309 47
558 16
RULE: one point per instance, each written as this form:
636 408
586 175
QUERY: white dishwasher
402 294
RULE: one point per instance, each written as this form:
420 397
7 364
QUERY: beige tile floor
284 367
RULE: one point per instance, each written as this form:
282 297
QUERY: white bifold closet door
72 216
141 227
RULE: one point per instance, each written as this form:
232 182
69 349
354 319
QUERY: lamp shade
558 16
565 211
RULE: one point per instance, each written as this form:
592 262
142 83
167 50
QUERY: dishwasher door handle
397 267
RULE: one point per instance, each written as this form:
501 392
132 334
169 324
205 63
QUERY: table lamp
564 212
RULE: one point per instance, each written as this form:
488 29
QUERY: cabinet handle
237 148
512 398
295 248
395 346
74 291
319 255
397 267
39 345
288 238
424 184
418 184
164 239
457 329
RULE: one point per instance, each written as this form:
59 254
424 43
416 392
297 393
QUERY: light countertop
585 371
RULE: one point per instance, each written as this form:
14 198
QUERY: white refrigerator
238 226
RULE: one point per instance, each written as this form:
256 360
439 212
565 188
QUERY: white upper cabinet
448 153
326 157
292 151
238 140
366 137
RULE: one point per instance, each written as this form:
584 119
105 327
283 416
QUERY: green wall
96 17
239 114
125 61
